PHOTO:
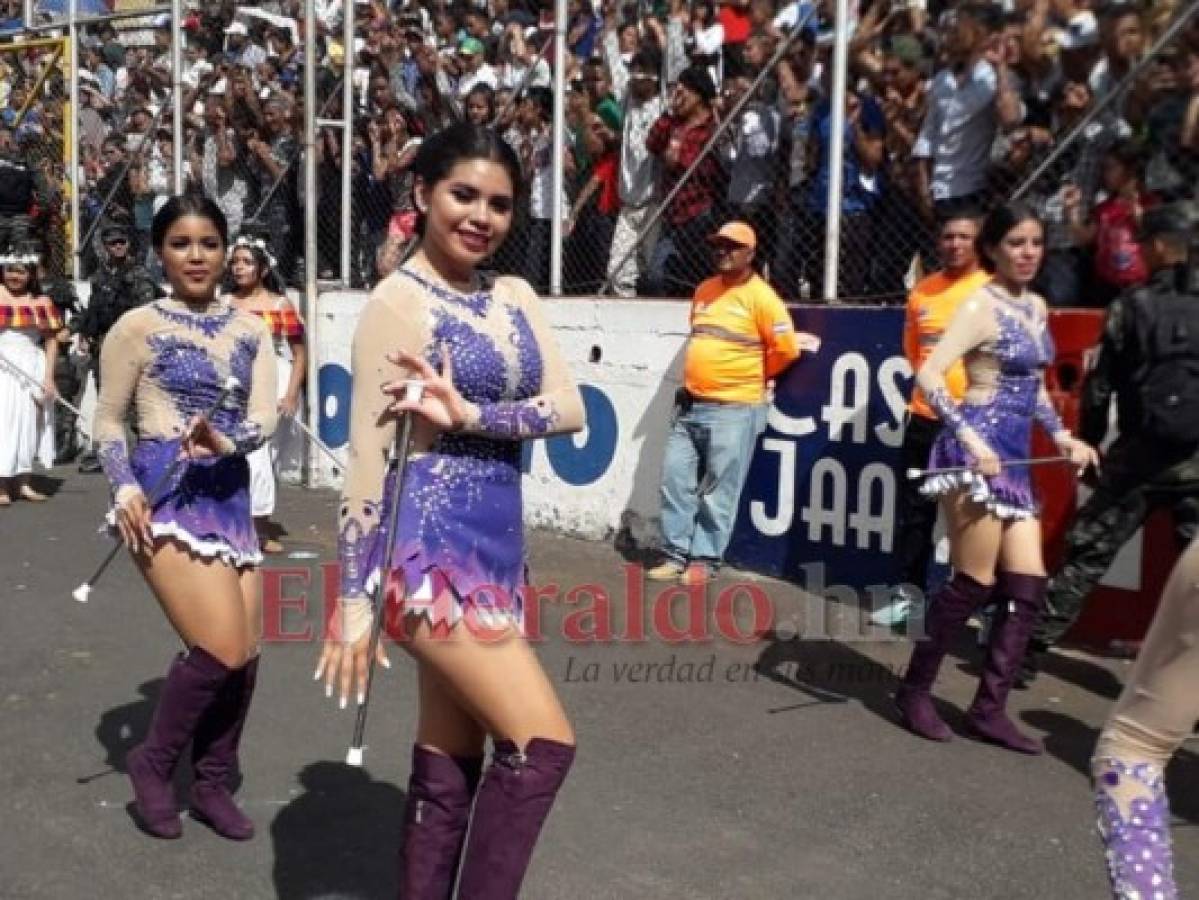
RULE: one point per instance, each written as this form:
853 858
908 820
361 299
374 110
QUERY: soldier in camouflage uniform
118 287
1142 470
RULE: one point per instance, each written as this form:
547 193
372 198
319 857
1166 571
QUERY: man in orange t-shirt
741 339
931 306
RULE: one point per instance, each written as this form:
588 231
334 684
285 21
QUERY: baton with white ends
399 462
913 474
82 592
33 383
318 443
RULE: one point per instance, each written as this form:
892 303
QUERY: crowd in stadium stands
950 105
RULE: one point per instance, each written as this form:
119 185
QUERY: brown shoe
670 570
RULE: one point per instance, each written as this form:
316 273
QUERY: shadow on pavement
122 728
827 672
340 838
1073 742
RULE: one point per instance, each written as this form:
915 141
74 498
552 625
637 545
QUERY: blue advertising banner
825 480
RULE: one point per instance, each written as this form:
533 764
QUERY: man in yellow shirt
931 306
741 338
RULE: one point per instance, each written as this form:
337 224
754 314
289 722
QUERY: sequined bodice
1019 352
493 353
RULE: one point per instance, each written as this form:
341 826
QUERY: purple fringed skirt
1005 424
459 547
205 506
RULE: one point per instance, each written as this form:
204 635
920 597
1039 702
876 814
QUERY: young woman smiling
194 541
493 377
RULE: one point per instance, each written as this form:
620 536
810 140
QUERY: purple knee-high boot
440 791
946 616
192 685
1140 862
214 755
1020 599
513 803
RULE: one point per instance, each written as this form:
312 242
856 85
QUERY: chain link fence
33 95
1135 144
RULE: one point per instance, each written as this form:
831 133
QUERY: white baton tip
913 474
413 390
354 757
231 383
82 592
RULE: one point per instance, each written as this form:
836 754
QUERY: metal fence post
832 225
177 95
558 177
347 142
312 389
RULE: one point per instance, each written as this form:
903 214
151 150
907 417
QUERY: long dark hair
190 204
996 226
461 142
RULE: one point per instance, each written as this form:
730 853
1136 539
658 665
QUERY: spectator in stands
801 92
270 163
533 143
750 156
1111 230
741 339
1123 42
241 50
583 28
898 225
479 105
473 66
968 101
676 139
640 86
592 218
216 161
861 188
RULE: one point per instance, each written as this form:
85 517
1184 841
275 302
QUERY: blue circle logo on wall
335 388
587 464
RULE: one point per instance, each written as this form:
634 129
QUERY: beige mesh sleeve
122 358
972 325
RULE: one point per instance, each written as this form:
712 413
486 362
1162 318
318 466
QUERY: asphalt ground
767 767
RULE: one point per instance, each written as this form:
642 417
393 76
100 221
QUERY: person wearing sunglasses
118 286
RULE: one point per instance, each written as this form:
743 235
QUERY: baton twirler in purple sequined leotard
459 547
1005 396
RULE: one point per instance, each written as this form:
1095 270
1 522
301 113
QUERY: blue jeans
707 457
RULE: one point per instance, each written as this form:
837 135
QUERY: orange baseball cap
737 232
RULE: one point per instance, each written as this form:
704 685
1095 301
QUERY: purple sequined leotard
459 548
1013 359
169 362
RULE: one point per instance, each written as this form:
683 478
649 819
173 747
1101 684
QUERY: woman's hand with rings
343 658
133 522
200 439
986 462
439 403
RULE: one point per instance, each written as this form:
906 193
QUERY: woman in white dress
28 349
257 290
